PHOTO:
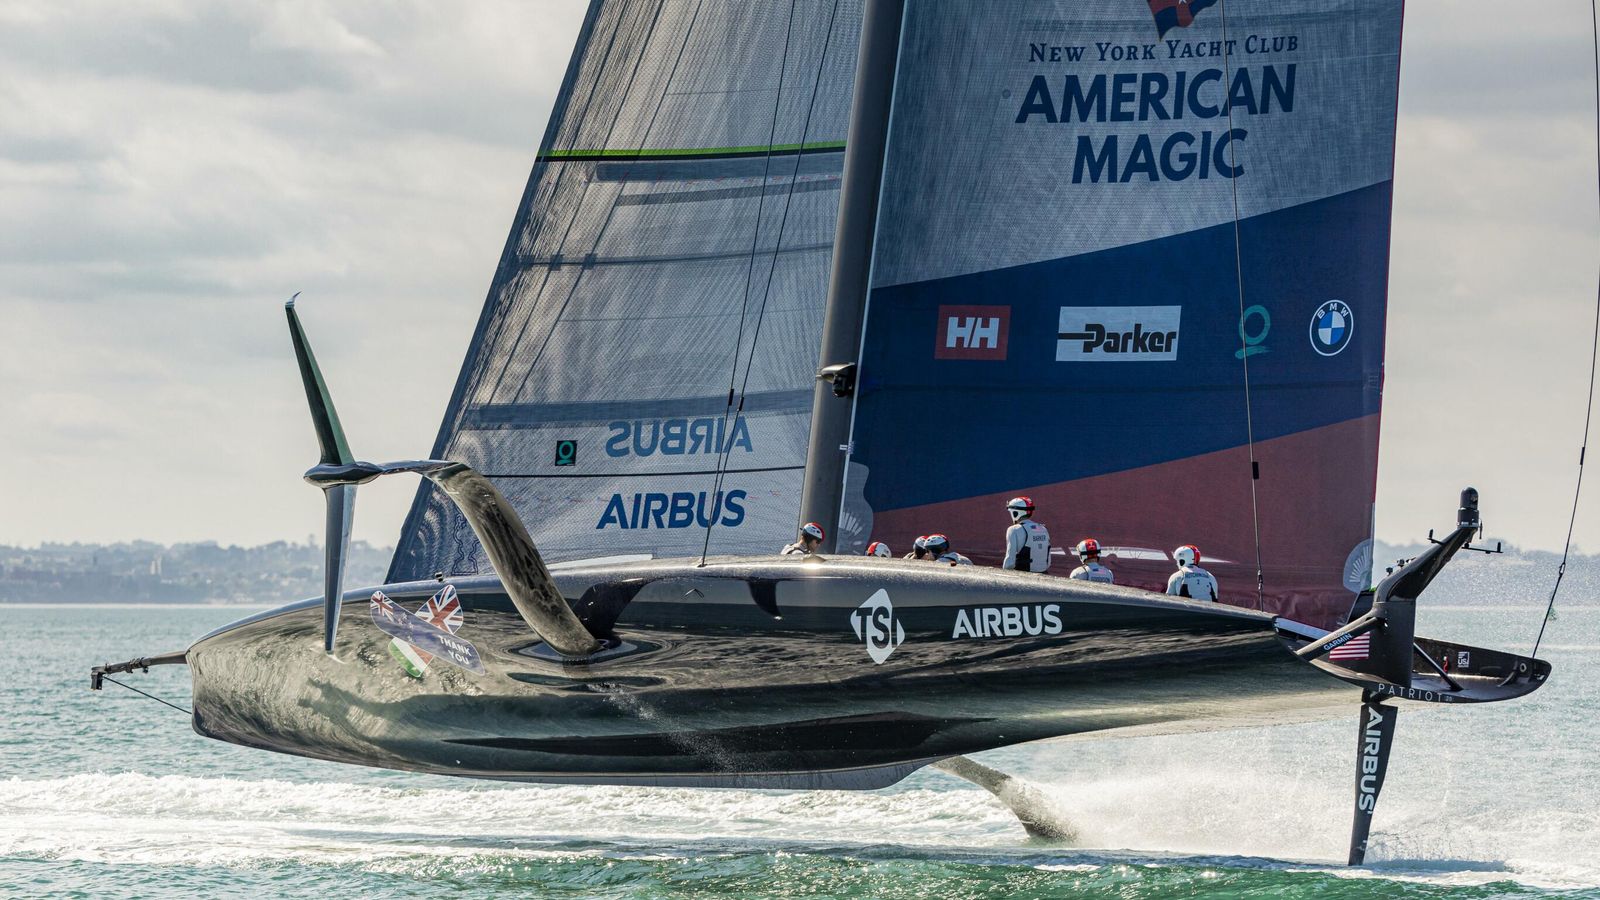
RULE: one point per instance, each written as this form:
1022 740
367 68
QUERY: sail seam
675 473
692 153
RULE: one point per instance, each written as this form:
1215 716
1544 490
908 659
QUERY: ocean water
113 794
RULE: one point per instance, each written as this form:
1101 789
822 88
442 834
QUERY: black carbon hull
752 672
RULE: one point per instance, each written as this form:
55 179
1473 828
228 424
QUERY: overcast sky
171 171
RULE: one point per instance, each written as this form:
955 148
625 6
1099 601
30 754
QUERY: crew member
1027 542
1089 554
1190 580
939 549
919 548
879 548
810 538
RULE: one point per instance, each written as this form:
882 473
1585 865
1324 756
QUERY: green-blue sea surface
111 794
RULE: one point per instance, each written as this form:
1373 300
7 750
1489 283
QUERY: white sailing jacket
1193 581
1027 547
955 559
1093 572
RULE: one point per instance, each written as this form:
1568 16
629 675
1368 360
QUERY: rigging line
1594 350
761 200
755 241
187 712
1238 277
577 129
627 91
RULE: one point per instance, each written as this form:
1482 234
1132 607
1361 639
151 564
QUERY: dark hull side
753 672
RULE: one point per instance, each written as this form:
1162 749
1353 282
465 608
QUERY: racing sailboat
881 265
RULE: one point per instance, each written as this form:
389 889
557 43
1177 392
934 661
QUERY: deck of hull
720 682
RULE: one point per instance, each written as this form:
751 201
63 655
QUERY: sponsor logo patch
1118 333
679 509
1332 326
876 626
1253 328
677 437
1007 621
972 332
427 634
566 453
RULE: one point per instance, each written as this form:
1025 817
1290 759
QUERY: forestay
672 247
1096 215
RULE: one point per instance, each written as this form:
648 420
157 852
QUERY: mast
850 279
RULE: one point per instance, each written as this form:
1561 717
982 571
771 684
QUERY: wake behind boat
1046 276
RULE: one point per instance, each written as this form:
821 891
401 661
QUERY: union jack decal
434 624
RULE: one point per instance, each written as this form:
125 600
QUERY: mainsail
668 265
1134 264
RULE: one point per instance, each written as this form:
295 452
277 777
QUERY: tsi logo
972 332
877 627
1122 333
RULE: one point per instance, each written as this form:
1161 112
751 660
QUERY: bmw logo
1332 327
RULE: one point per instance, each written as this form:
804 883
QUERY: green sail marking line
692 153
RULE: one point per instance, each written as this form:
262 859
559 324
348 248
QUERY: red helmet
1088 547
812 530
879 548
1019 507
1187 555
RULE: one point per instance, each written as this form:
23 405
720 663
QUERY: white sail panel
672 247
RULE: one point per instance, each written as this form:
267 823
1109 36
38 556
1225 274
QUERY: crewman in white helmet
810 539
1088 551
879 548
1190 580
939 548
1027 542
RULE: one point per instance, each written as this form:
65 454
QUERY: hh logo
972 332
877 627
1172 14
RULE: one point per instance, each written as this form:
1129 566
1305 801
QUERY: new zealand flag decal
1172 14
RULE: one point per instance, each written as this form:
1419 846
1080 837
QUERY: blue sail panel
1094 220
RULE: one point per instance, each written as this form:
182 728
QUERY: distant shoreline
135 604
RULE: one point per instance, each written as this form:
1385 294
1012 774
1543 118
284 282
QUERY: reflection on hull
755 673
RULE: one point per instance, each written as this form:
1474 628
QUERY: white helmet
811 530
1020 508
878 548
1187 555
937 544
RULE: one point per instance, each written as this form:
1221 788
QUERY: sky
172 171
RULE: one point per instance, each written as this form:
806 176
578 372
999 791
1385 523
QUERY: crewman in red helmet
1027 542
1089 554
811 535
1190 580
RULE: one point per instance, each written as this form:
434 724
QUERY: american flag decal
1355 648
1170 14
